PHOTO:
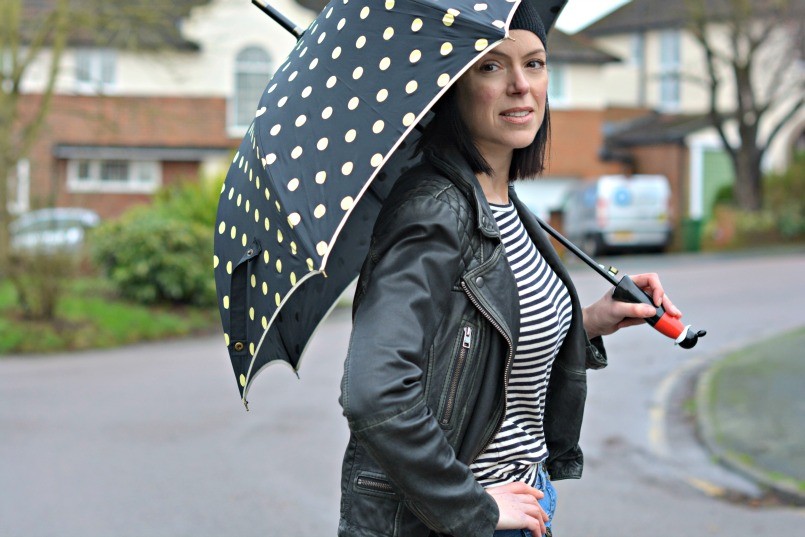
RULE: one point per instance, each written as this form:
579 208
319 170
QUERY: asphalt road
152 440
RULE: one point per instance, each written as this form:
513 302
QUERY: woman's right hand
519 508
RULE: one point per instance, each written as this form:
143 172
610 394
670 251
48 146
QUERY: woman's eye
536 64
489 67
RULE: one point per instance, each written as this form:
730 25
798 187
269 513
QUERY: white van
619 213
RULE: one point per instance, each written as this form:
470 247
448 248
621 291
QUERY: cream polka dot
331 82
336 53
341 24
275 130
247 205
382 95
242 380
306 92
267 224
293 76
304 51
327 112
319 211
388 33
226 339
293 278
294 219
357 73
240 198
301 120
389 4
450 17
385 63
499 24
215 261
251 313
416 25
278 265
360 42
480 7
377 128
267 193
279 235
264 322
415 56
277 299
265 288
321 145
266 257
256 215
293 247
329 12
353 103
229 267
446 49
408 119
309 262
377 160
297 152
346 169
251 349
364 12
321 248
234 232
444 78
271 158
272 88
221 228
226 302
321 38
231 192
293 184
346 203
253 280
321 177
481 44
244 240
313 64
349 137
411 87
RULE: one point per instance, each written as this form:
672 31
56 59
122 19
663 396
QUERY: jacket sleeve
416 260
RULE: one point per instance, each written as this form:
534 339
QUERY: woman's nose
519 82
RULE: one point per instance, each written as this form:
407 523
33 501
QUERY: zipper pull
467 337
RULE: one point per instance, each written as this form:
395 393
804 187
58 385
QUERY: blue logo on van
622 197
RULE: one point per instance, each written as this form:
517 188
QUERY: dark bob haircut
447 126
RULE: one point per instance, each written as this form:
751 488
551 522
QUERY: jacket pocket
463 351
374 484
375 509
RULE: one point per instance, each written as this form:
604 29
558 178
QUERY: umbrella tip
246 404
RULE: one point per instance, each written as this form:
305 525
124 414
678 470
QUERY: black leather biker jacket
435 315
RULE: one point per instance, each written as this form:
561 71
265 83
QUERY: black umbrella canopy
334 127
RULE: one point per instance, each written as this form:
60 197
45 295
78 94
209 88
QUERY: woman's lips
518 116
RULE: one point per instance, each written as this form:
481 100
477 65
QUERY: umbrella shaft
283 21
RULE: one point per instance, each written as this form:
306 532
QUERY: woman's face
502 97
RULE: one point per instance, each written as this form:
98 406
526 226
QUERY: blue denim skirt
548 504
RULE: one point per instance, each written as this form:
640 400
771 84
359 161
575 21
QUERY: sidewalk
750 410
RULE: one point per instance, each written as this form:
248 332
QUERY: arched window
252 72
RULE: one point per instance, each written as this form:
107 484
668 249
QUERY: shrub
161 253
784 196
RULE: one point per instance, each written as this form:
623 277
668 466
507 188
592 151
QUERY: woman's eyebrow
532 53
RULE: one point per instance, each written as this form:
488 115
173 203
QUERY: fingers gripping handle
628 291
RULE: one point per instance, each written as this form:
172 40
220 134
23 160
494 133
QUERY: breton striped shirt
545 312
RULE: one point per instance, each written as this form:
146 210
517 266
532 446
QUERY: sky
579 13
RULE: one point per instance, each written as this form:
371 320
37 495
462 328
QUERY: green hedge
162 253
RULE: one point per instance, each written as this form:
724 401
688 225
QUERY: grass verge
89 315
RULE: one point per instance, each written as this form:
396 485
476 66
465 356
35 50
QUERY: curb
785 489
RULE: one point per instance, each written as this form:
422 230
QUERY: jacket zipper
509 358
374 484
466 342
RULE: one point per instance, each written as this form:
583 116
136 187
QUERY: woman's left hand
608 315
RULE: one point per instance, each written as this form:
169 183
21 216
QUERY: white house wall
583 86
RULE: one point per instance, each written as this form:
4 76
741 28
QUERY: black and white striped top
545 313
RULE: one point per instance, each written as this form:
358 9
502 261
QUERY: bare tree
31 31
760 60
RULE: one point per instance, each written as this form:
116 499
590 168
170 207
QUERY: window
252 73
95 70
637 56
670 70
119 176
557 85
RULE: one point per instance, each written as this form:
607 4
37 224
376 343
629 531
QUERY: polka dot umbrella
332 130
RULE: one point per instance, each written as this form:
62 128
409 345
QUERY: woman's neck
496 185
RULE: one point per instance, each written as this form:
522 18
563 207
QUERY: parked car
619 213
542 196
52 230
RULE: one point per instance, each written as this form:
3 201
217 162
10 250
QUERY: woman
465 380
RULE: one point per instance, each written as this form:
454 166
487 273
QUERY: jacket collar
455 167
